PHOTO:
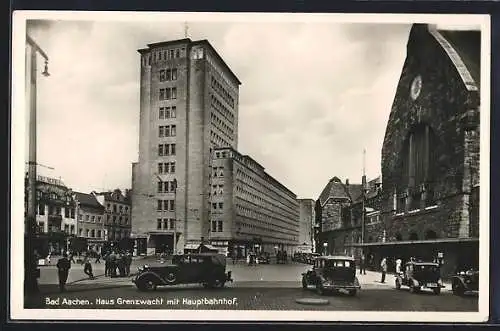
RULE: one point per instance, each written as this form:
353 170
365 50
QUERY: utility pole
31 270
363 184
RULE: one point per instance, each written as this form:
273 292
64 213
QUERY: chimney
347 182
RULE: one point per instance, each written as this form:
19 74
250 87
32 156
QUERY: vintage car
208 269
419 275
310 257
465 281
332 274
264 258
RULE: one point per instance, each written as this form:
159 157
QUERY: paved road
247 297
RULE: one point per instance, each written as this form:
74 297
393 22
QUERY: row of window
217 140
217 190
223 154
217 205
229 132
118 235
269 219
55 211
217 226
168 75
165 224
166 186
168 93
91 233
52 196
89 218
218 171
167 131
263 232
165 205
259 199
166 167
166 149
268 189
167 112
117 208
121 220
414 201
164 55
217 86
69 229
223 110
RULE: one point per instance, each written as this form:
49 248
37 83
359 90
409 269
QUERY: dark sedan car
419 275
332 274
465 281
208 269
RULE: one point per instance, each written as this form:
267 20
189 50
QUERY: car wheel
352 292
437 291
398 284
457 289
319 289
171 278
146 285
304 283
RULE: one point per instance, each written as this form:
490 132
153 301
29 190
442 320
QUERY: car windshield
338 264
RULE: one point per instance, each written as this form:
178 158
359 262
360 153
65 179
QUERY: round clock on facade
416 87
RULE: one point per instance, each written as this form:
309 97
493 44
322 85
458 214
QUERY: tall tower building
188 106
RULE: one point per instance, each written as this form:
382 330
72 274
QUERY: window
162 94
173 112
174 92
93 219
172 131
159 206
162 76
66 228
174 74
172 167
161 152
172 224
41 209
165 224
92 233
177 53
72 229
66 212
171 54
219 226
72 212
80 232
87 232
161 114
161 132
80 217
99 235
160 168
158 224
214 206
221 205
172 205
214 226
172 149
87 218
114 208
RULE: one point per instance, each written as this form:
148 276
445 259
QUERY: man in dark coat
63 266
128 262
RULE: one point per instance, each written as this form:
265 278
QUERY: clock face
416 87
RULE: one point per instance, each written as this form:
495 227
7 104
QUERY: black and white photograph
255 167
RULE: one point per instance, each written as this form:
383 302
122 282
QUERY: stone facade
306 224
205 117
91 221
437 103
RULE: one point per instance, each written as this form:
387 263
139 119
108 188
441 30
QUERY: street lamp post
31 271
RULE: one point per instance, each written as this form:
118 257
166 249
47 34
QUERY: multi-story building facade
306 225
188 106
117 213
90 221
250 210
55 214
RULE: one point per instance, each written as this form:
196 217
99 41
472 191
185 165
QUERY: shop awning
415 242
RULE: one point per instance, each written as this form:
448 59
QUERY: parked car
208 269
419 275
332 274
309 258
465 281
264 258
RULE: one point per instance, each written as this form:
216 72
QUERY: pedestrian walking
121 265
128 262
87 269
362 264
63 266
383 266
71 257
112 264
398 266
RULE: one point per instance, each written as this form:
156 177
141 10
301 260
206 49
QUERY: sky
313 96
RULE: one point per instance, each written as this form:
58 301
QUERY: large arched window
417 169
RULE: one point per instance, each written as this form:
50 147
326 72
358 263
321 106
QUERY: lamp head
46 69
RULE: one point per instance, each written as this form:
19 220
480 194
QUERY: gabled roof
335 189
87 200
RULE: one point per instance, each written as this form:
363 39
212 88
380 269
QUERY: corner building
188 106
250 210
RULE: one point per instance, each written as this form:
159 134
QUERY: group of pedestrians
117 261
